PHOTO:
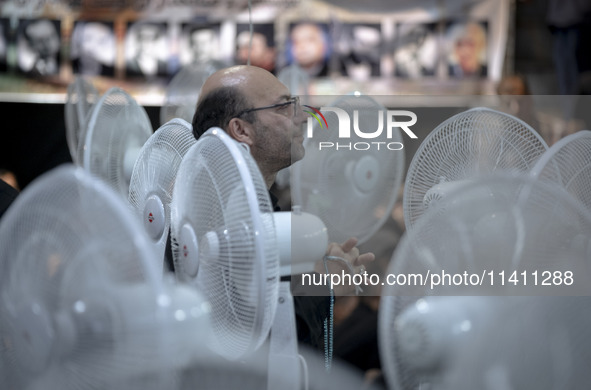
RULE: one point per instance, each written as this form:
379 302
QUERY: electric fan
476 142
153 178
568 163
183 91
502 239
228 242
214 373
79 101
351 186
223 241
117 129
540 343
82 304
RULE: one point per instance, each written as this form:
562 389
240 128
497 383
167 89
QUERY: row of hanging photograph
151 50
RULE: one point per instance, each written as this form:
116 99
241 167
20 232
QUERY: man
254 108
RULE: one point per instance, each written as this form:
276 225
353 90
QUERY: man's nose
300 116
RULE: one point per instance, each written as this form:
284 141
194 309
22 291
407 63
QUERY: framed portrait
38 47
416 53
93 48
466 44
262 51
147 49
358 48
199 43
310 47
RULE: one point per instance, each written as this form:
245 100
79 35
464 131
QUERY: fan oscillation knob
154 217
189 243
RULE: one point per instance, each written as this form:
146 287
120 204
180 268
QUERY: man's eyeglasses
292 105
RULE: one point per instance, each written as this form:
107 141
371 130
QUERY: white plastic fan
80 99
526 226
184 89
568 163
476 142
154 175
540 343
82 304
117 129
214 373
351 188
223 240
217 373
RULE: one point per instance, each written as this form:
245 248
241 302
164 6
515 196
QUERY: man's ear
241 131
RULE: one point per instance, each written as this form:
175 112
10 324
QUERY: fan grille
156 169
479 141
524 226
543 344
568 163
351 191
117 129
296 79
71 261
79 102
212 195
184 90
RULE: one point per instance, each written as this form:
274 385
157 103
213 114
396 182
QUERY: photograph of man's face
467 49
146 48
93 48
200 43
38 47
309 47
260 50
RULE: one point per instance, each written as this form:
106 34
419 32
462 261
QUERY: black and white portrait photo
146 49
200 43
93 48
358 48
417 50
38 47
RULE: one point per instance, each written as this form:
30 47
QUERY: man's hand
353 263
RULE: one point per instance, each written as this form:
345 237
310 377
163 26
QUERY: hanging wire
251 30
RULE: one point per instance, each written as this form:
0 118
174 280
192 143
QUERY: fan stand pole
283 350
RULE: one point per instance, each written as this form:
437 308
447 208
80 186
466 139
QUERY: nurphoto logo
315 113
393 119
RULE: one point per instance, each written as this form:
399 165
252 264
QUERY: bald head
230 91
252 81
